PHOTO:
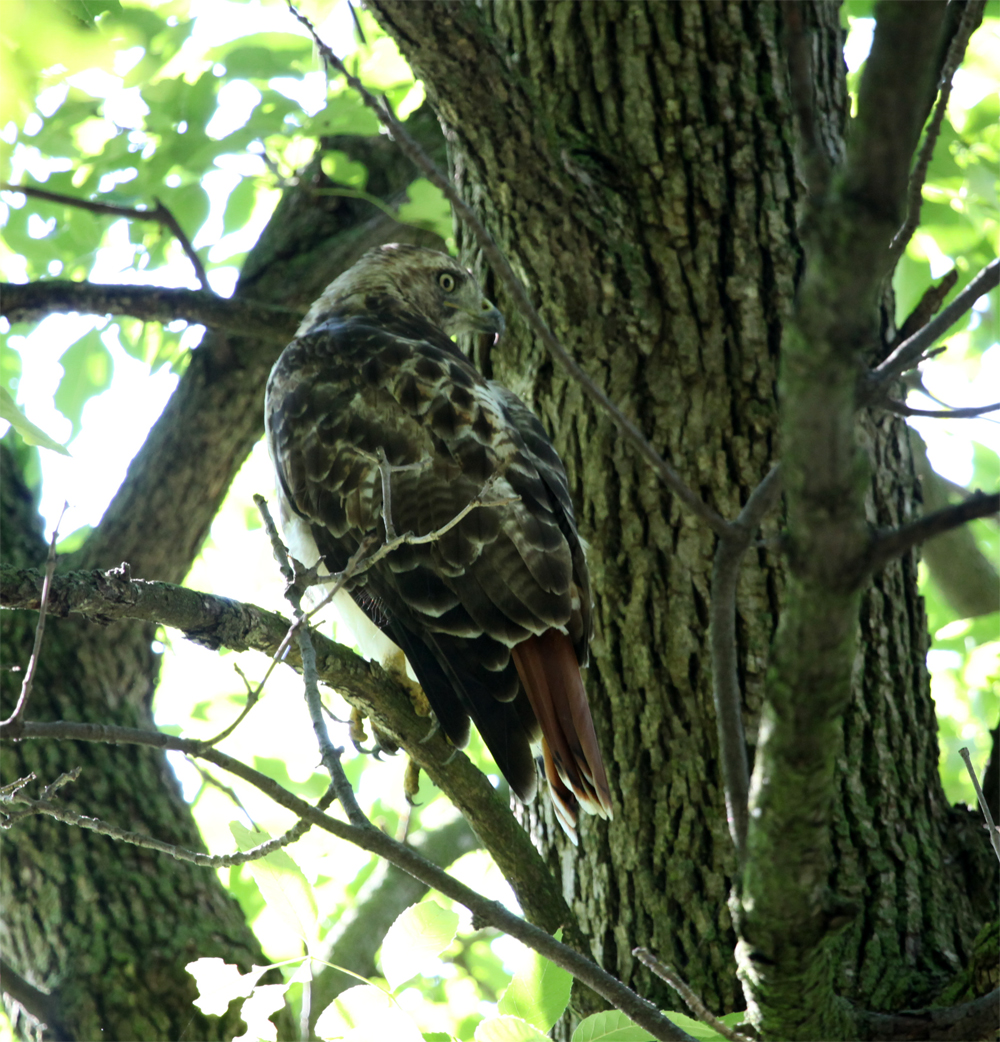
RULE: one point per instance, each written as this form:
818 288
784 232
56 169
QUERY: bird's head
397 280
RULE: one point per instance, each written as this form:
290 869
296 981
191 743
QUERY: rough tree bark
635 162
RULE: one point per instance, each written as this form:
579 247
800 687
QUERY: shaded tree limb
887 546
369 838
505 273
44 1008
162 215
970 1020
725 679
909 353
972 16
902 409
217 621
927 307
31 301
784 910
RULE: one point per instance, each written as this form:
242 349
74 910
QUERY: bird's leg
411 783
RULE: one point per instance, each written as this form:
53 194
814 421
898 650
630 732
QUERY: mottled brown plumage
495 615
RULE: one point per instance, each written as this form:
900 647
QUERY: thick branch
31 301
44 1008
219 622
976 1019
377 842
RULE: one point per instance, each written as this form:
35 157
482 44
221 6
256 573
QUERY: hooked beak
484 319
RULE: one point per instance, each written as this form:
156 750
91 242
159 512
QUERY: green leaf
610 1026
88 369
239 205
427 208
341 169
539 992
281 882
702 1031
265 1000
415 939
29 432
508 1029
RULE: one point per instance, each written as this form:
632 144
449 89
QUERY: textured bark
106 928
635 163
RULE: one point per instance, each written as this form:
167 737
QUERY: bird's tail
550 675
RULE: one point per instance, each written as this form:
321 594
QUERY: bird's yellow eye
446 281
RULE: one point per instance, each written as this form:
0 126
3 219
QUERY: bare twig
972 15
139 839
983 805
161 215
667 474
893 543
902 409
10 724
694 1003
909 353
725 678
405 857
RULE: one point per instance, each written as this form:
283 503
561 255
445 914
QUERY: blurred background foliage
211 107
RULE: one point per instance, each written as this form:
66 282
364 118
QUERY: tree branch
31 301
972 16
217 621
910 352
725 677
42 1007
375 841
976 1019
889 545
161 215
902 409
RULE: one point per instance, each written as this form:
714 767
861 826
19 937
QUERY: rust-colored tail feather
550 674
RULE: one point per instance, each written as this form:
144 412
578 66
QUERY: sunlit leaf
265 1000
610 1026
415 939
281 882
32 435
366 1014
88 369
508 1029
539 992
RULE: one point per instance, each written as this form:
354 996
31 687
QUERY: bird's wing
503 575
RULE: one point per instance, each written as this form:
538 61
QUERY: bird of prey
494 614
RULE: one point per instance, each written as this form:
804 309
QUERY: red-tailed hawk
495 615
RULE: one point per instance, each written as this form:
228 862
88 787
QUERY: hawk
493 614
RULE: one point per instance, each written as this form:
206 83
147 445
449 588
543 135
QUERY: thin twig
725 676
902 409
207 778
983 805
888 545
161 215
405 857
694 1003
29 676
667 474
909 353
140 839
972 15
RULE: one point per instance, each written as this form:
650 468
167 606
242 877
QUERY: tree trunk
635 162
